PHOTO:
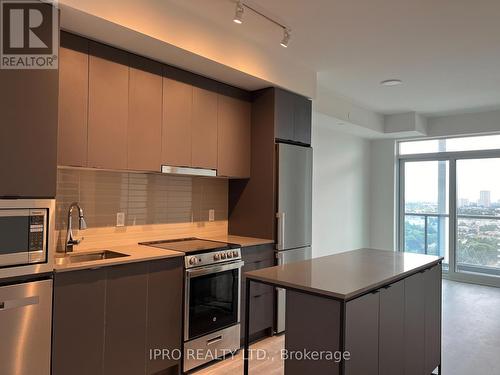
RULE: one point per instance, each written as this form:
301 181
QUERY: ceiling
447 52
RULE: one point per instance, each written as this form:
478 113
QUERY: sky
421 179
473 175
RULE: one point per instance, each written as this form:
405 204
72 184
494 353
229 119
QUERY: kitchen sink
88 257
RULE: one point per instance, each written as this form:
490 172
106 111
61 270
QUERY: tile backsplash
145 199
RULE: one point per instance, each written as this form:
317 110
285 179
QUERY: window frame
452 157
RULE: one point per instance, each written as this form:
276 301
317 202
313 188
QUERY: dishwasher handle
16 303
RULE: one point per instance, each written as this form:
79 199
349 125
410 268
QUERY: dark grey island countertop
345 275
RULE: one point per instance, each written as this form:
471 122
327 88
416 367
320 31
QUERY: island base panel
312 325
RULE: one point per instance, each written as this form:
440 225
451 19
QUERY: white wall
462 124
341 177
382 194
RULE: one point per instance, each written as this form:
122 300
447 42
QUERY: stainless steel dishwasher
25 328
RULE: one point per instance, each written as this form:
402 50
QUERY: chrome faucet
70 240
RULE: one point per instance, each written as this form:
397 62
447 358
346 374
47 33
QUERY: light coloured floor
271 365
471 336
471 329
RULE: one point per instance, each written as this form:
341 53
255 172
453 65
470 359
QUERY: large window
450 204
426 209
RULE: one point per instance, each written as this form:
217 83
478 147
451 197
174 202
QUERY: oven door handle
213 269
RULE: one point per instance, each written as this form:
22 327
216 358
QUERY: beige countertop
141 253
136 253
240 240
346 275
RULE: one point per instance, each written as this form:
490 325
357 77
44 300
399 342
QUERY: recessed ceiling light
391 82
238 13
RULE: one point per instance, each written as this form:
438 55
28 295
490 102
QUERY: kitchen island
360 312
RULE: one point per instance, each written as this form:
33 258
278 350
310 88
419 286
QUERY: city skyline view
473 176
477 231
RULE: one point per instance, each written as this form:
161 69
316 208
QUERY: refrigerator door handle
281 230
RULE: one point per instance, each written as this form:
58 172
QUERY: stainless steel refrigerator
294 171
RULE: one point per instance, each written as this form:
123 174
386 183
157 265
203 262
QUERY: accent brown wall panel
28 133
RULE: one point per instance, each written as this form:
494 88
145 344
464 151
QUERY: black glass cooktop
190 245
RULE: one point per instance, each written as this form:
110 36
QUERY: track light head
238 18
286 37
238 13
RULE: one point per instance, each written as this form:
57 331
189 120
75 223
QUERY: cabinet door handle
376 291
387 287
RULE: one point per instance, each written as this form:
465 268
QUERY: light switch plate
120 219
211 215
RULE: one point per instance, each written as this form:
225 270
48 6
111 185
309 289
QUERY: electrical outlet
211 215
120 219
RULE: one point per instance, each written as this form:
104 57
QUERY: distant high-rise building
484 198
463 202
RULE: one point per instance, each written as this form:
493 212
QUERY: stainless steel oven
212 298
26 236
211 306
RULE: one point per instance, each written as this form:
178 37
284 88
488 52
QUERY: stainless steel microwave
26 238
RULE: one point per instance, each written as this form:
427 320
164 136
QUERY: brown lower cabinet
362 332
262 299
396 329
107 320
393 330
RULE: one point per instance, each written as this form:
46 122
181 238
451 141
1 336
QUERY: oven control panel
213 257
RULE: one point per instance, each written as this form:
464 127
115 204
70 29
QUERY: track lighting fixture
238 18
238 13
286 38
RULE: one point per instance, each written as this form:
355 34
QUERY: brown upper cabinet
145 115
126 112
189 126
293 116
108 107
73 100
177 120
234 128
204 129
